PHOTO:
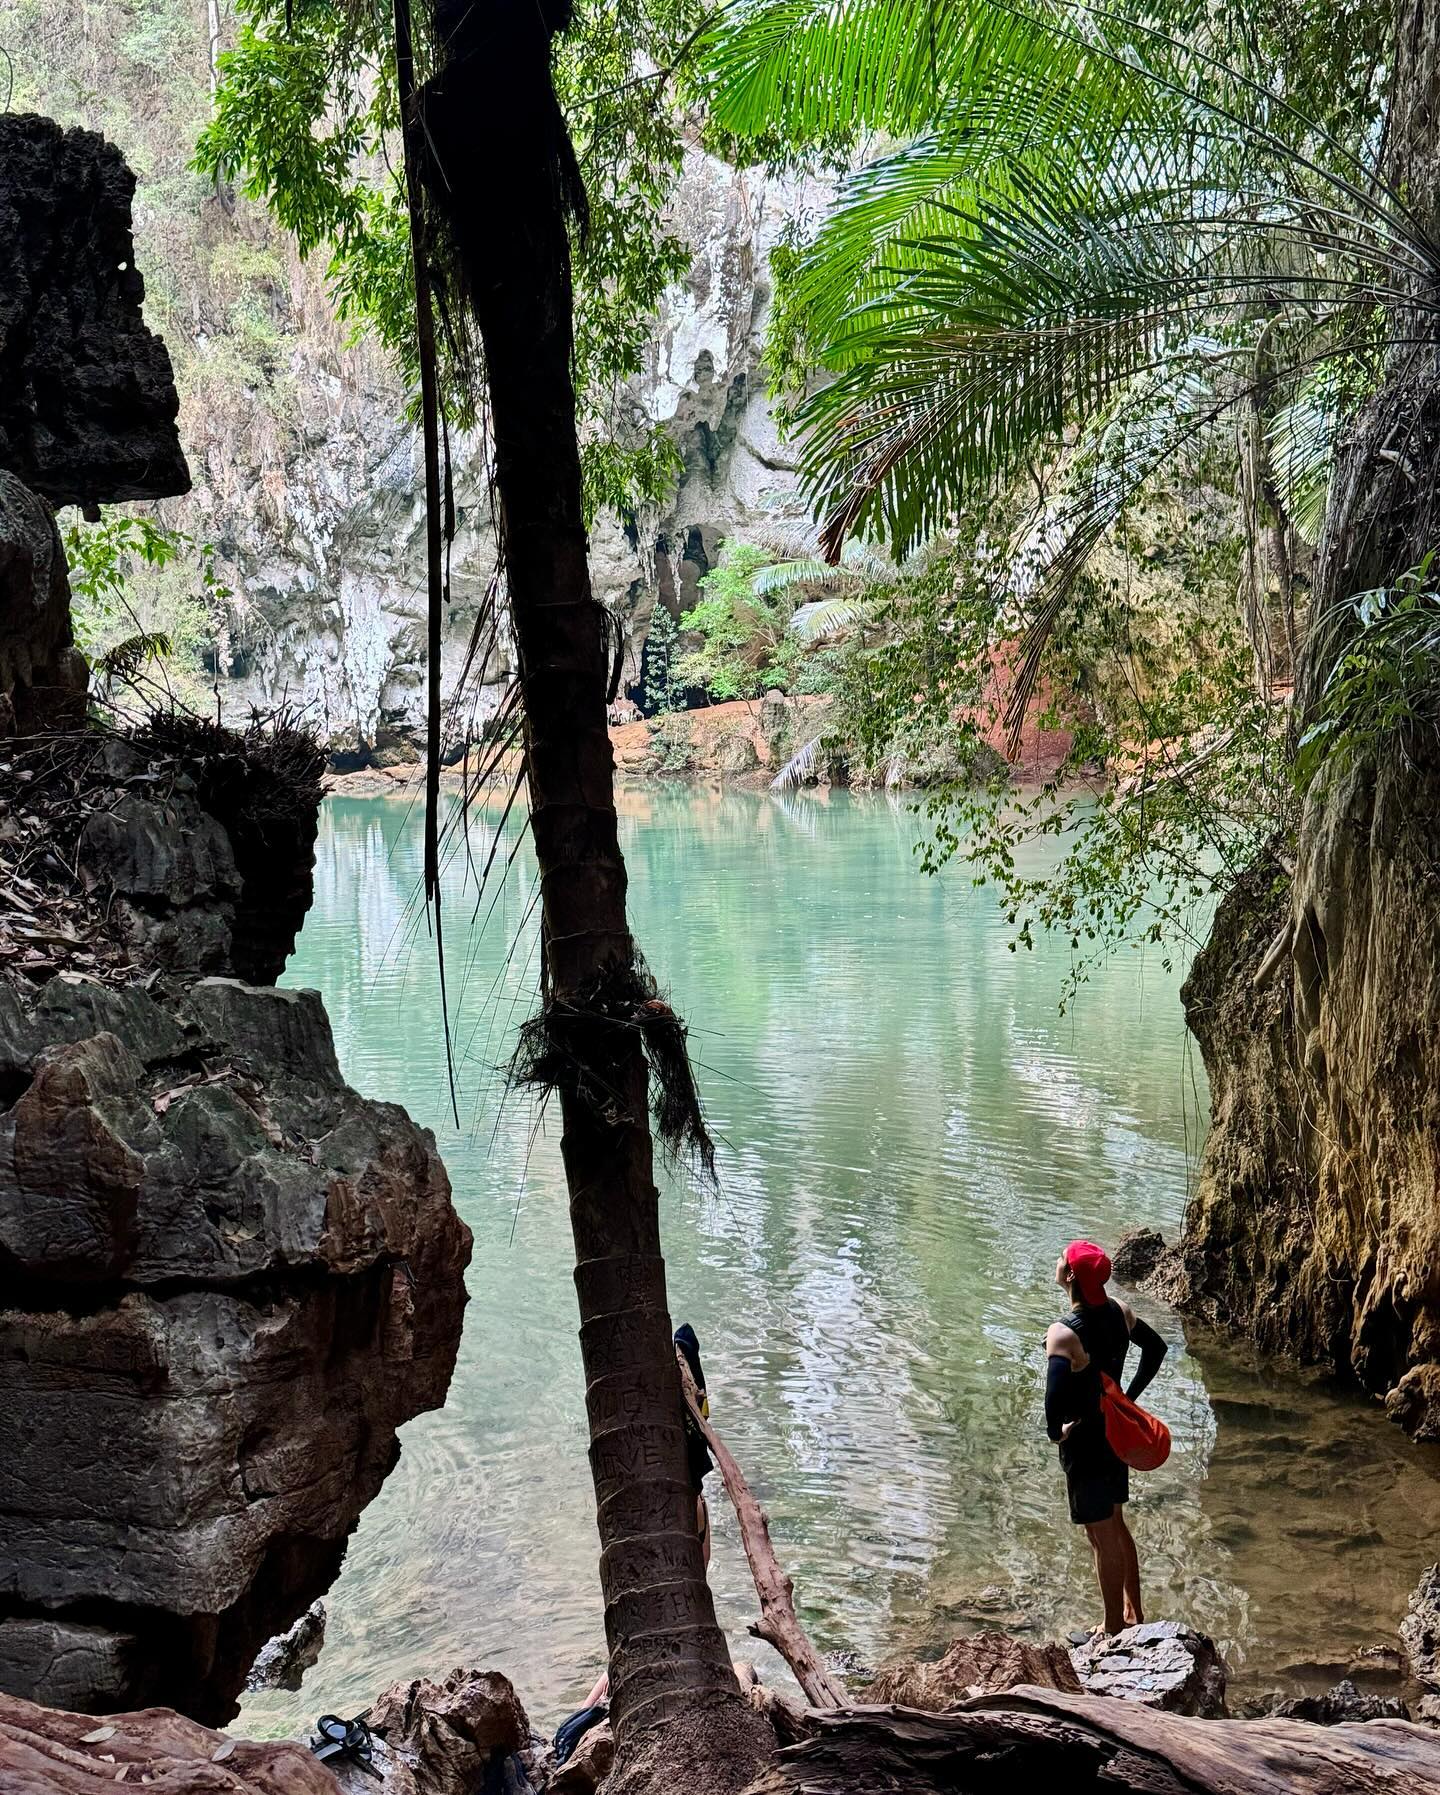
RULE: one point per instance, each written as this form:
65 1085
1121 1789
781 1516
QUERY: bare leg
1134 1609
599 1692
702 1527
1110 1569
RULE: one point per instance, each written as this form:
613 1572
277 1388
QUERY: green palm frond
125 659
817 69
784 576
1075 200
800 766
1301 437
827 617
858 565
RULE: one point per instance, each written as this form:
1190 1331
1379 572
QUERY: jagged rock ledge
225 1280
1314 1229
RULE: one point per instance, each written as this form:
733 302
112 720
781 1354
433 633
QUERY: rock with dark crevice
1420 1630
1159 1664
444 1738
225 1281
43 677
283 1661
87 396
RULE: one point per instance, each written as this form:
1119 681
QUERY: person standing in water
1093 1338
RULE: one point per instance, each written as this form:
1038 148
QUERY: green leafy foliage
1166 772
146 600
125 659
1074 218
102 555
1076 240
756 620
306 119
1386 684
662 691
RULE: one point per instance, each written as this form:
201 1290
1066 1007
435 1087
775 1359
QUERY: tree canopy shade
1077 247
307 121
1073 217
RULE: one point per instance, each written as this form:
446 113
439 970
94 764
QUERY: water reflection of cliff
909 1132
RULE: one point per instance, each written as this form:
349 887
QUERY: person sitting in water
700 1465
1094 1337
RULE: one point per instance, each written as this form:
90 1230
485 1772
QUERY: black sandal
350 1739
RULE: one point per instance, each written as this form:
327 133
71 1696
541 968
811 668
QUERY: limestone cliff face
324 543
225 1280
1316 1225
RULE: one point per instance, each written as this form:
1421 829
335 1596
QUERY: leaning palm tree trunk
503 189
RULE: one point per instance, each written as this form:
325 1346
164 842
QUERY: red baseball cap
1091 1266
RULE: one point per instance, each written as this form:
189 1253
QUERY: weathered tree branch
778 1624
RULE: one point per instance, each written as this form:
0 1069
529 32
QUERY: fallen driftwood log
1043 1738
778 1624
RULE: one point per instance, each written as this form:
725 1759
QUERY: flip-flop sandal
349 1739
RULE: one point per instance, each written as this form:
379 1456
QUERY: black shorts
1096 1484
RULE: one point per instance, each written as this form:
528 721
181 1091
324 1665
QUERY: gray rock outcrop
332 578
283 1661
225 1280
1159 1664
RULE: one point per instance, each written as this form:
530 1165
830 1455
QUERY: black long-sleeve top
1072 1395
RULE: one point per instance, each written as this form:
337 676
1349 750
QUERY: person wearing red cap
1093 1338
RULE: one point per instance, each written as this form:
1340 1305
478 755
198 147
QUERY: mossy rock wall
1315 1228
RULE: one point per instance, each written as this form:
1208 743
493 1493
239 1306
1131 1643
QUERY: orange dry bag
1136 1437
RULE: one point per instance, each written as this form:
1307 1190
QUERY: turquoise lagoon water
909 1131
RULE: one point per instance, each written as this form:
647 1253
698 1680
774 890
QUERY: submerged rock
283 1662
1420 1629
1159 1664
1342 1703
1137 1254
981 1665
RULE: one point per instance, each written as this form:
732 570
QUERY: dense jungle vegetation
1067 358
